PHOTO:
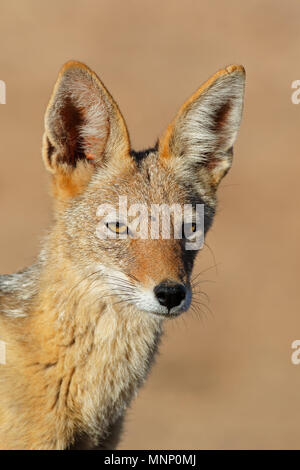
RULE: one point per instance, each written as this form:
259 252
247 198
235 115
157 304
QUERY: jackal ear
205 128
83 127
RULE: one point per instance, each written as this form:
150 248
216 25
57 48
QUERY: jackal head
87 149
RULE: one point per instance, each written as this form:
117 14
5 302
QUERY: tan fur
78 348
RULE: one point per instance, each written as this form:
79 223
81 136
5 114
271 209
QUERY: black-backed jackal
81 326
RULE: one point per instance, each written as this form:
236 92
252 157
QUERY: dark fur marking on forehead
140 156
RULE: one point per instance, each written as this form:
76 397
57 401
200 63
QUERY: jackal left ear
83 129
205 128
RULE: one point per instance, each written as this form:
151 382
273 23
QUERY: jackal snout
173 295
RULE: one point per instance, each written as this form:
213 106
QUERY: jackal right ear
83 128
202 134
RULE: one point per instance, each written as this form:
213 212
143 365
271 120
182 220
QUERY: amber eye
189 230
117 227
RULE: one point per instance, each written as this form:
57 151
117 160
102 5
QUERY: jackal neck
83 358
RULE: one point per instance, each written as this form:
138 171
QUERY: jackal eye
117 227
189 230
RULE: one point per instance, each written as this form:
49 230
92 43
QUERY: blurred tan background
226 381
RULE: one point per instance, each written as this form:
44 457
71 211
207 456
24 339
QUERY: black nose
170 295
